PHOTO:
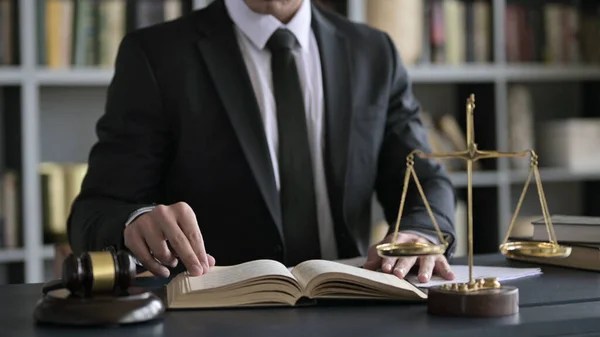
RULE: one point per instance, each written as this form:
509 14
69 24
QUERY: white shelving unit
11 76
35 81
491 73
18 255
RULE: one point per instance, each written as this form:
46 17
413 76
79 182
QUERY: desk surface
562 301
555 286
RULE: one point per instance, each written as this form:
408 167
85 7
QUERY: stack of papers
461 275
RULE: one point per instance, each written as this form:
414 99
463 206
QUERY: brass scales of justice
478 297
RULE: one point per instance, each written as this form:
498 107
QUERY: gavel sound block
95 289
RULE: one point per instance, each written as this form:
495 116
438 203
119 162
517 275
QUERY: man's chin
270 6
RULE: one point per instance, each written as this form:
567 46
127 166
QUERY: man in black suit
258 129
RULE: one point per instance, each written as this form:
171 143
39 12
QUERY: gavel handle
52 285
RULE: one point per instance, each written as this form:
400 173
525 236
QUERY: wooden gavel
93 273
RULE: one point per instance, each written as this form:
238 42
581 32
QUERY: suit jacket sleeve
126 163
404 133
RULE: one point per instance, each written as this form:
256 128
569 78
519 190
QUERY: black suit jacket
182 124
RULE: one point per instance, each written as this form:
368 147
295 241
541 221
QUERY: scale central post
472 151
484 297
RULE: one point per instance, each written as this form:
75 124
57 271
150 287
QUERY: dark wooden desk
556 285
560 302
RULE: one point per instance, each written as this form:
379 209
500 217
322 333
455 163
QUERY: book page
225 276
358 261
316 273
461 274
260 282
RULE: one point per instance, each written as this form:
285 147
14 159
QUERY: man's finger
403 266
426 268
179 241
388 263
442 267
211 260
139 249
189 225
373 260
158 246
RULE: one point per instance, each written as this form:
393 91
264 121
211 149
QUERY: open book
270 283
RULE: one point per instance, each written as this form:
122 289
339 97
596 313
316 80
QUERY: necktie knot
282 39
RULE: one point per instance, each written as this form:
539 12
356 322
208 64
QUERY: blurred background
534 67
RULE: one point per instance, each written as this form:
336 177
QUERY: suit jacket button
278 249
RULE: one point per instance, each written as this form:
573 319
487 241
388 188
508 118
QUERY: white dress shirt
253 30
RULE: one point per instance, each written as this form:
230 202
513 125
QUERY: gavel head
98 273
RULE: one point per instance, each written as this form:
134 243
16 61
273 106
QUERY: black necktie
297 192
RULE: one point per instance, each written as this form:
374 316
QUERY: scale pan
409 249
535 249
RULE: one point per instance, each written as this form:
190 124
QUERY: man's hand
401 266
147 236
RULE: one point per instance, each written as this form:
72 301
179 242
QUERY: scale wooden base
490 302
59 307
484 297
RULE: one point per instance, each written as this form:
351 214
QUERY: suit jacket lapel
225 63
338 107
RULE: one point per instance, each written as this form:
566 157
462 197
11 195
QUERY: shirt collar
259 27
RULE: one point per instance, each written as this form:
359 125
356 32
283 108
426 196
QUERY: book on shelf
461 31
403 21
552 32
84 33
445 135
436 31
60 185
521 131
10 209
8 48
570 143
270 283
111 28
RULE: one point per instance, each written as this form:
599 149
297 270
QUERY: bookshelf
57 109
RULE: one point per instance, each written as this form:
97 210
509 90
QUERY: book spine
469 31
483 31
112 27
437 33
149 13
2 168
10 209
60 185
454 26
426 46
86 33
41 32
5 33
403 22
173 9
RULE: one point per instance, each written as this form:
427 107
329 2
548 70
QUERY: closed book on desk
569 228
270 283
